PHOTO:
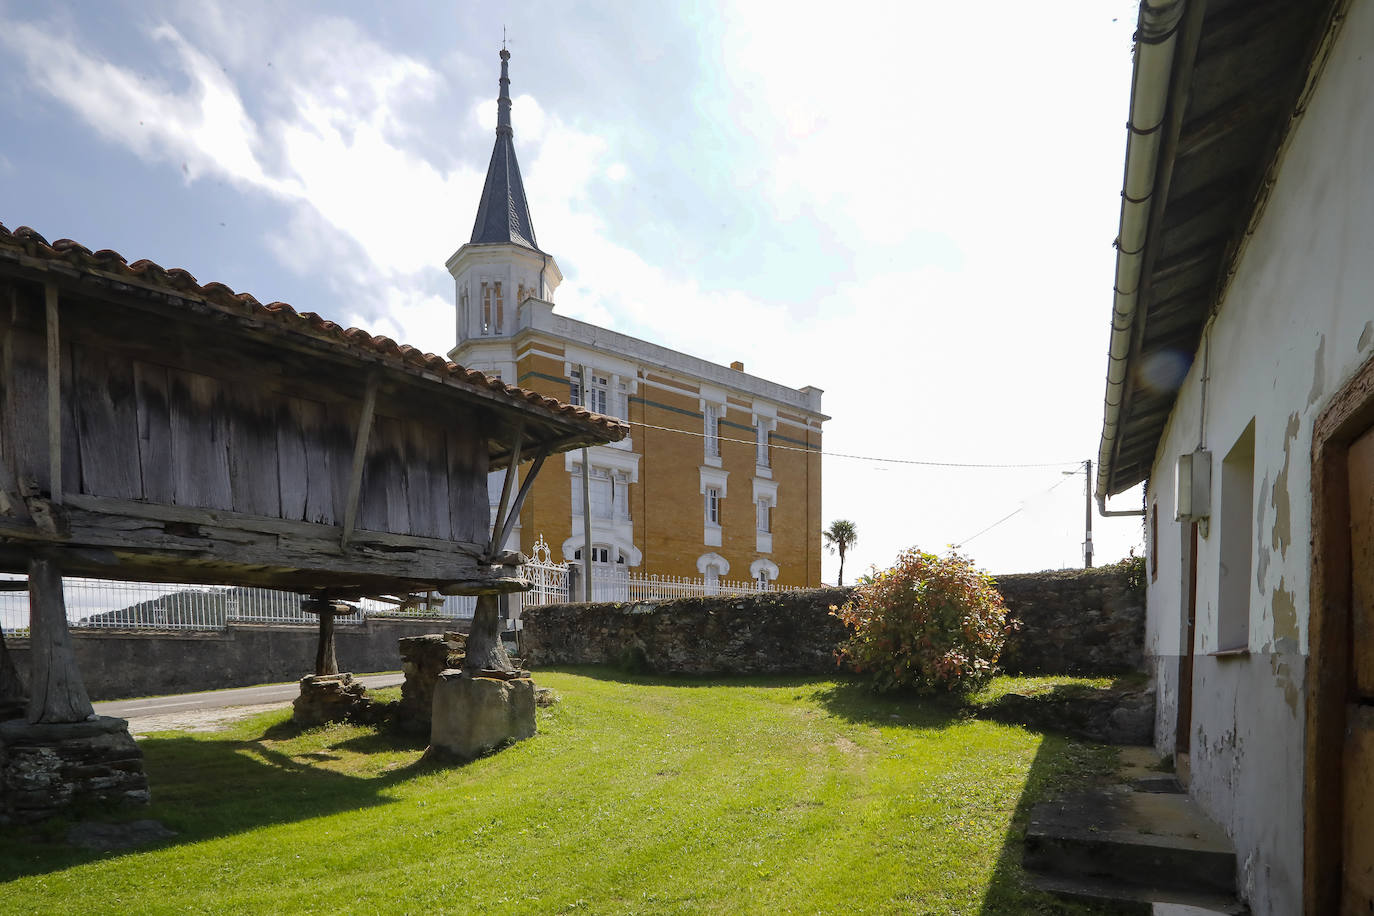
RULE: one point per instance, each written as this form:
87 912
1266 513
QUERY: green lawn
639 795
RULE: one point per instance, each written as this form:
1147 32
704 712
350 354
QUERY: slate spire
503 215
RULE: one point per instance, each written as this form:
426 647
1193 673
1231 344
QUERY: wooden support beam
59 695
355 478
13 698
54 396
514 515
511 470
125 539
485 651
325 660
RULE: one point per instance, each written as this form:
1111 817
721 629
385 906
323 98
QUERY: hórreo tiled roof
25 241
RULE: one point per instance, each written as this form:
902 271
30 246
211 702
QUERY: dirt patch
198 720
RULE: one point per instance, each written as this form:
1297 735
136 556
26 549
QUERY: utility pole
586 504
1088 514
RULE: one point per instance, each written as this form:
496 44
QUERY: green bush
928 624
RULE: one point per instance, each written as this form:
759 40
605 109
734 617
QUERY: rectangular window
1237 543
712 506
487 314
712 430
761 434
600 486
601 496
597 388
620 497
500 307
765 511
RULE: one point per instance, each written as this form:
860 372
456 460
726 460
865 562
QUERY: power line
816 451
1013 513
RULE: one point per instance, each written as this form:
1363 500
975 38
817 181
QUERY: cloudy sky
910 206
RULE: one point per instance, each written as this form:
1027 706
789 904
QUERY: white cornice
536 316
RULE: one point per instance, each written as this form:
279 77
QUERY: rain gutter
1157 39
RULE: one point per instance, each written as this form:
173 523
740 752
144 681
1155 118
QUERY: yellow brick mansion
720 478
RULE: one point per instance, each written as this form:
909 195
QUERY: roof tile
177 279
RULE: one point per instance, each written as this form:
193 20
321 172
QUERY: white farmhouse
1241 390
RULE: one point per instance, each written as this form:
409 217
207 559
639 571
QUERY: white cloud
976 360
203 129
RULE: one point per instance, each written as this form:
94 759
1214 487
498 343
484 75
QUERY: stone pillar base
47 768
423 658
476 715
329 698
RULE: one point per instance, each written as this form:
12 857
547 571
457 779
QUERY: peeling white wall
1297 322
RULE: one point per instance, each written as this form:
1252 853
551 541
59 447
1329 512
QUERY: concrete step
1140 840
1140 769
1130 899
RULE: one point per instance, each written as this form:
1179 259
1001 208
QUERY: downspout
1156 43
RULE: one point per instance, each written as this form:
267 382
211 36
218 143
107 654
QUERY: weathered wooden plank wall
167 418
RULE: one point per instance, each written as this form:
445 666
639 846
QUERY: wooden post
512 469
13 699
59 695
355 477
485 651
54 397
513 515
325 660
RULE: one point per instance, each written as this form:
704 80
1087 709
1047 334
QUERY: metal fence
107 604
616 582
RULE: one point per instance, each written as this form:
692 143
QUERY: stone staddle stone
476 715
47 768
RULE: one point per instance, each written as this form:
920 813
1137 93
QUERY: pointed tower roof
503 215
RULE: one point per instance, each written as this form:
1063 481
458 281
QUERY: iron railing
107 604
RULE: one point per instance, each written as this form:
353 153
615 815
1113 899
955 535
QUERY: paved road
212 699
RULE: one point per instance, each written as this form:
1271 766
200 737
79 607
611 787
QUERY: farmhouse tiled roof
26 243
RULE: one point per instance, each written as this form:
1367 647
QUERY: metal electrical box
1193 486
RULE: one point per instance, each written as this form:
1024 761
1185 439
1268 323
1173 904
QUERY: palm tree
841 535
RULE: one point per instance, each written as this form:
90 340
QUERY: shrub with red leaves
927 624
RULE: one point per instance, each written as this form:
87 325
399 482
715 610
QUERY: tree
841 535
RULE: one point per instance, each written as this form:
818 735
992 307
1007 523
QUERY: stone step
1140 769
1145 840
1132 899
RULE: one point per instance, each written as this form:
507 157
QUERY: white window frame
712 506
765 572
711 414
492 314
598 388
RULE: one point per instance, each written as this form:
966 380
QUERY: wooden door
1184 726
1357 781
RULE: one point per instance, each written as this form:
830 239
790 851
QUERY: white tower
501 266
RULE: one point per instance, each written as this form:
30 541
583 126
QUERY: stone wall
771 633
129 663
1075 621
1072 622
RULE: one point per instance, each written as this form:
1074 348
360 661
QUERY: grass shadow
255 784
856 702
613 674
1060 765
